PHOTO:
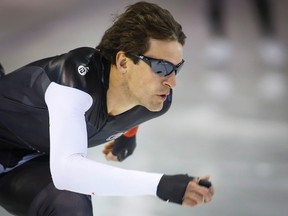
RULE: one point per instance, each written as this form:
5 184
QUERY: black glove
172 188
124 146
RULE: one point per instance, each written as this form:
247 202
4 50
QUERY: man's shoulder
83 66
78 68
80 55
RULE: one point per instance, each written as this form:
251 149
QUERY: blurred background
229 118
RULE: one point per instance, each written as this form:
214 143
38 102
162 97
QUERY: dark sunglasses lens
162 68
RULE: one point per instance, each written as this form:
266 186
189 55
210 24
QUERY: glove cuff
172 188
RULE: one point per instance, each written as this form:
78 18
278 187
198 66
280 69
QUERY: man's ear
121 61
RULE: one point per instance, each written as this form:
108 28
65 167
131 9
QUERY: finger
106 151
196 179
192 199
208 196
212 190
193 194
108 148
205 177
111 157
188 202
198 193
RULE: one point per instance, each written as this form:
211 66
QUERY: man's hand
196 194
122 147
107 151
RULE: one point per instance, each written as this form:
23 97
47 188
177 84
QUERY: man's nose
170 80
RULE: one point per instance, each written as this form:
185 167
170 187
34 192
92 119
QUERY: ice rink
229 117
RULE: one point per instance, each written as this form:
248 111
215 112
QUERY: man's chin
155 108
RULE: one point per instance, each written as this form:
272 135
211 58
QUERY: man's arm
71 170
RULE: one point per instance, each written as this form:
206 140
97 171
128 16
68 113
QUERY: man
53 109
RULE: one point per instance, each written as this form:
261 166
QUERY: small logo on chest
82 70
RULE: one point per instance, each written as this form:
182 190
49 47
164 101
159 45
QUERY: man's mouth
163 96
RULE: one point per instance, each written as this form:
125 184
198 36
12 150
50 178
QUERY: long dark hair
132 30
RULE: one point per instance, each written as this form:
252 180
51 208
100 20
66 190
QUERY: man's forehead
167 50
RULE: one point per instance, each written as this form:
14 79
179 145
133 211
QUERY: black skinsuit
24 122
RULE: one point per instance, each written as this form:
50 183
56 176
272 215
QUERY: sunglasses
161 67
